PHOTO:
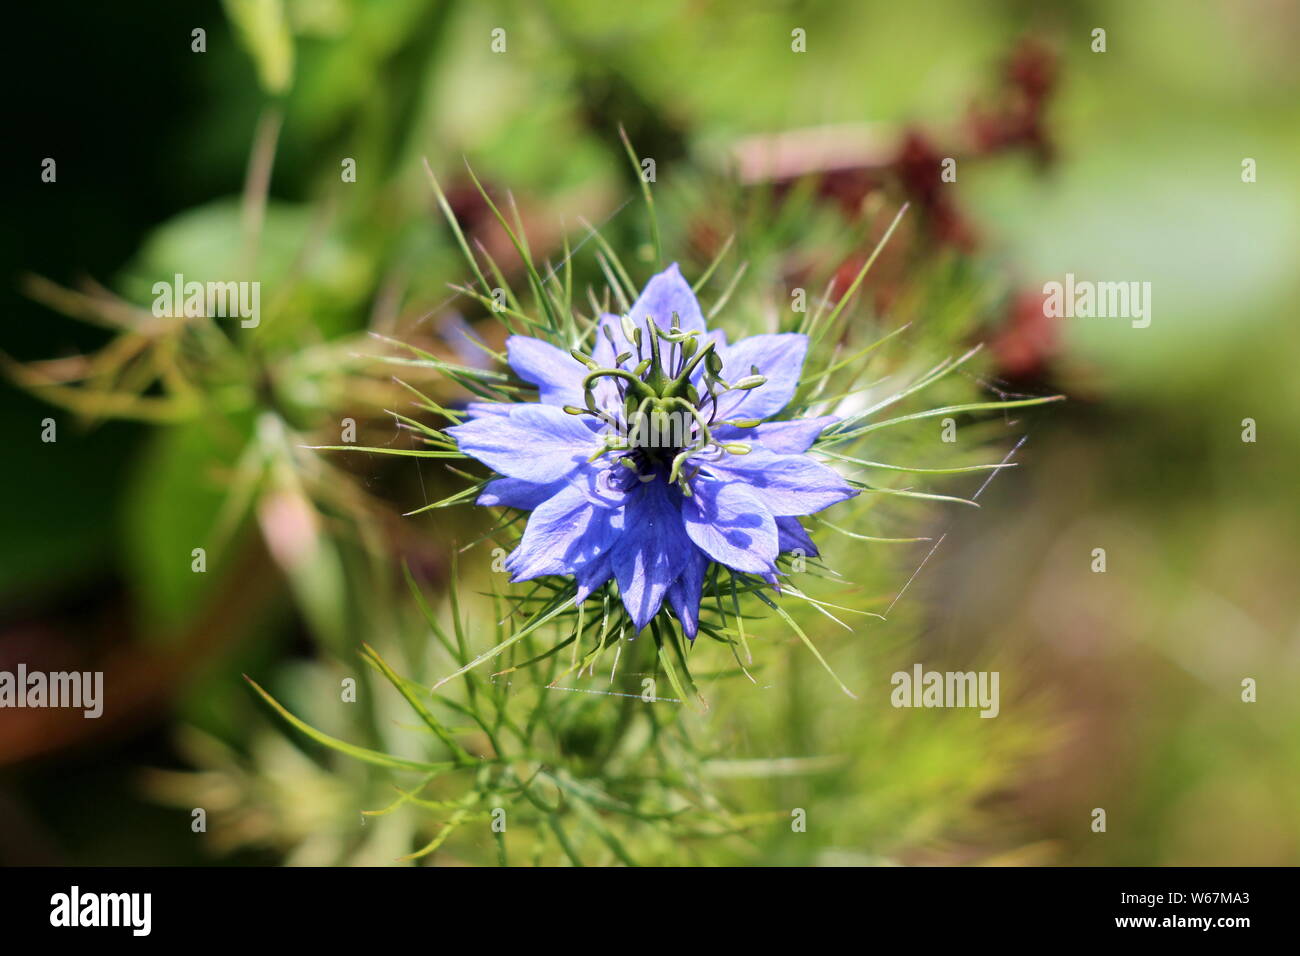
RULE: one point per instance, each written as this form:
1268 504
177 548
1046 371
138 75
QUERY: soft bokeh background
1120 690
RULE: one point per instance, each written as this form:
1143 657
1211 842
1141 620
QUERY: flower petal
665 294
603 351
778 358
785 438
537 443
684 595
648 555
794 537
563 534
557 374
503 409
592 575
793 437
731 525
513 493
786 484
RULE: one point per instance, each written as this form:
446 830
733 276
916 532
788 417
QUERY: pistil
648 389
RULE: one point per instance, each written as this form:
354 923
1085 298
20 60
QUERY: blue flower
654 455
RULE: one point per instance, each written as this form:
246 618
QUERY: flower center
657 422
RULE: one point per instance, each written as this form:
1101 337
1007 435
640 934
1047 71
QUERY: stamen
586 360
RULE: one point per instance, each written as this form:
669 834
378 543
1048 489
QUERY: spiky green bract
629 788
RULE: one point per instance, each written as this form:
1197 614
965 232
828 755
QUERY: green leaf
264 30
404 687
171 509
377 450
558 605
352 750
646 195
807 641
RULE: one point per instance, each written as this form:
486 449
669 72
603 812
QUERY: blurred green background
1121 690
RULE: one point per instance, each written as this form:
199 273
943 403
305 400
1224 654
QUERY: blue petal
537 443
503 410
590 479
648 555
592 575
563 534
605 353
479 409
794 437
786 484
793 537
513 493
593 480
731 525
785 438
778 358
684 595
663 295
557 375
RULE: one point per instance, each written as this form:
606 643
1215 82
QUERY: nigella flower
654 455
